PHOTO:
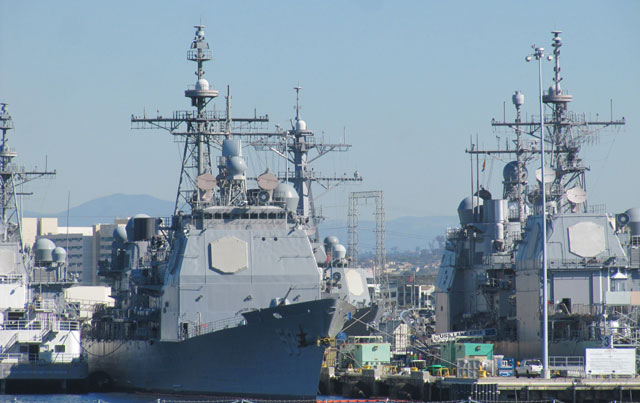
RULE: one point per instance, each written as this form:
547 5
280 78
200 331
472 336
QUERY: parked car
529 368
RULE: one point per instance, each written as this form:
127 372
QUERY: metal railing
576 309
22 325
453 233
571 365
40 358
13 357
598 208
45 305
210 327
56 325
11 278
66 325
566 361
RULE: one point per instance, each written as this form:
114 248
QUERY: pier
419 385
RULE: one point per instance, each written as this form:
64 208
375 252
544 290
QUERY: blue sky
407 82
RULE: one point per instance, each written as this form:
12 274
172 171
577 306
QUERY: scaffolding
380 275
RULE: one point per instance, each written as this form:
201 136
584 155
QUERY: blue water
88 398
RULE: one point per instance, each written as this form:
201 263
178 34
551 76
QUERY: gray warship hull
278 349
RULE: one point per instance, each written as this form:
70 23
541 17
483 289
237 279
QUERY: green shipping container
454 351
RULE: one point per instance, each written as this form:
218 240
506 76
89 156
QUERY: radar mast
294 145
565 133
205 129
11 178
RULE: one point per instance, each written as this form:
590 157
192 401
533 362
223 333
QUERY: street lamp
538 54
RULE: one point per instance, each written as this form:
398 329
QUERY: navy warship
225 298
491 279
39 331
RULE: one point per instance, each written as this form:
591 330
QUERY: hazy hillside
404 233
106 209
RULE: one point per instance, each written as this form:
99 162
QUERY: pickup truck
529 368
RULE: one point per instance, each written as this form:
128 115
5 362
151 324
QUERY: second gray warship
226 298
342 278
491 277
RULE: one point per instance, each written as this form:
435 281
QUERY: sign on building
610 361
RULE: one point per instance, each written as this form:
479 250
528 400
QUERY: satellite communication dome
301 125
287 194
43 249
634 220
466 207
468 203
634 214
331 240
338 252
120 233
236 165
202 85
59 255
518 98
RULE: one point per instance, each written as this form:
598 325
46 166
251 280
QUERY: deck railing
55 325
40 358
11 278
209 327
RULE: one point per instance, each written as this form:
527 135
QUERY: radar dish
576 195
267 181
206 182
549 175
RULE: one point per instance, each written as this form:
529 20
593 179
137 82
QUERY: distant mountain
404 233
105 209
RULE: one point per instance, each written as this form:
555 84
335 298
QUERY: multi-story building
85 246
78 242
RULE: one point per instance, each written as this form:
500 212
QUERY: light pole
538 53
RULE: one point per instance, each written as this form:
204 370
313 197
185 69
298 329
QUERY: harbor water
152 398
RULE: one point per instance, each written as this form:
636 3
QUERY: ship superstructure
225 298
491 272
39 331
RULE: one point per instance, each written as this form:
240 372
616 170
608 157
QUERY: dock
420 385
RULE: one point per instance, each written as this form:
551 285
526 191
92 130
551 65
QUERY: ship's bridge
247 215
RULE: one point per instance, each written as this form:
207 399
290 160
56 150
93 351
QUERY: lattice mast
205 130
565 133
11 178
295 145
